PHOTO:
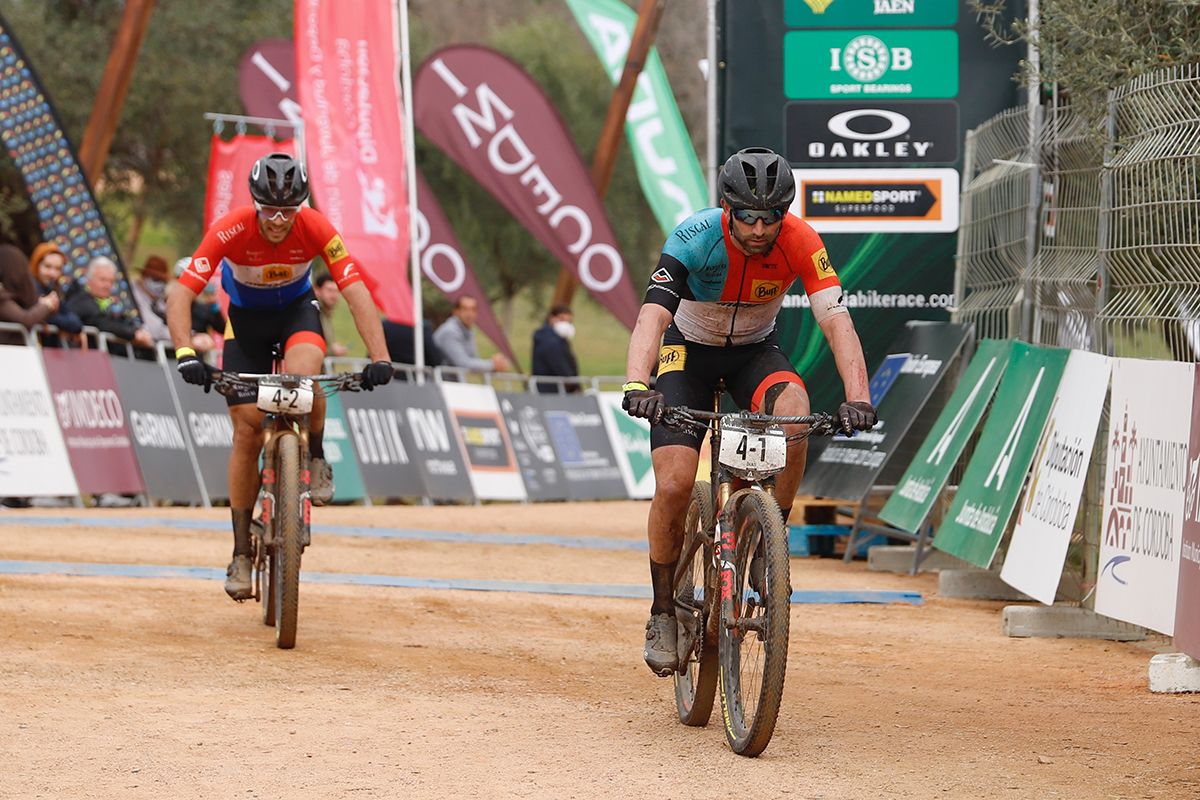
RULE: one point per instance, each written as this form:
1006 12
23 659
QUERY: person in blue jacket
552 353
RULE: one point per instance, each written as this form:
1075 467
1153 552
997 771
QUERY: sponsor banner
877 200
229 166
92 420
905 132
1145 477
445 265
1187 621
543 476
483 436
848 467
581 443
436 449
33 457
267 82
490 117
209 430
630 439
870 64
1046 516
387 456
666 162
37 143
989 488
920 485
339 452
158 437
348 78
873 13
885 375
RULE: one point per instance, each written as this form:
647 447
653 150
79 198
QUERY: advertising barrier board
437 452
1187 603
543 475
33 456
630 439
581 443
387 456
339 453
209 430
483 436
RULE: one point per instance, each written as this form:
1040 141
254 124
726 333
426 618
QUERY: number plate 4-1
753 450
275 398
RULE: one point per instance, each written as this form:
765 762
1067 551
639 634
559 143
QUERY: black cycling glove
192 369
642 402
377 374
856 416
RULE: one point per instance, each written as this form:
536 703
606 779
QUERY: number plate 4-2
753 450
275 398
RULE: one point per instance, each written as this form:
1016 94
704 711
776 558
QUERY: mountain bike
732 585
283 530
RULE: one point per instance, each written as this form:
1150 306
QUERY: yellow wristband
183 352
634 386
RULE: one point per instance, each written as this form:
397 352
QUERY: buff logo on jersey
276 274
765 290
671 358
335 250
823 264
661 276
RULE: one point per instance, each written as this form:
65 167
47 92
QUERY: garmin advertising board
207 425
869 100
543 474
159 441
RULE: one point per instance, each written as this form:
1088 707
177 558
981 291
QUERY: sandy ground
121 687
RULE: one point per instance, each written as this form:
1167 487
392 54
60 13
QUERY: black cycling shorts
251 335
688 374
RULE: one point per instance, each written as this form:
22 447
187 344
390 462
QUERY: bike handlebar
679 417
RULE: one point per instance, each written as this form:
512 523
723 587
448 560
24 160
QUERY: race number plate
753 450
275 398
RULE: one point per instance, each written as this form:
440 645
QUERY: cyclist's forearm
848 355
366 319
643 343
179 315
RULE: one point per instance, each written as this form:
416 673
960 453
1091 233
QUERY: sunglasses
271 213
751 216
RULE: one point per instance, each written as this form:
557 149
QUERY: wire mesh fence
1114 263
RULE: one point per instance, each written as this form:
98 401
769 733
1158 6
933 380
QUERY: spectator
47 264
96 306
150 294
19 298
399 337
552 349
456 339
207 320
328 295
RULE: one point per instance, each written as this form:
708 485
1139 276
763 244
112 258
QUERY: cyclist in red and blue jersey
709 315
263 253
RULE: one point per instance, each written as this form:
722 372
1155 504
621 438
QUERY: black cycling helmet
756 178
278 180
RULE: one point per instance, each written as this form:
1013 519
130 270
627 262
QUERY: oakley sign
882 133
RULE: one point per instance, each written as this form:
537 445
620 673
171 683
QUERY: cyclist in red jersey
264 253
712 302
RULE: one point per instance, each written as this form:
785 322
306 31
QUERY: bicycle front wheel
287 547
696 680
753 629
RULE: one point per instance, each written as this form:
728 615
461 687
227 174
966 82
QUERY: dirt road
114 686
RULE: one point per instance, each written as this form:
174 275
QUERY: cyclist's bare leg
307 359
243 489
791 402
674 476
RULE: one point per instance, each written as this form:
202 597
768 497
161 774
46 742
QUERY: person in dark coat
401 349
97 306
47 264
552 349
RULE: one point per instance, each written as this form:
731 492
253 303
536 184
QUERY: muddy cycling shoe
660 652
321 482
237 579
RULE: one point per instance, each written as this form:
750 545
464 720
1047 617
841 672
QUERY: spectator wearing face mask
552 349
150 294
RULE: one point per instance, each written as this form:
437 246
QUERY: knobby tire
289 526
753 665
696 681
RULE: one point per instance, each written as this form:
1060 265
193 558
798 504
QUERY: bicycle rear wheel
287 547
753 629
696 680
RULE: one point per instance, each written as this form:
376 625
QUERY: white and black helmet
756 178
278 180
